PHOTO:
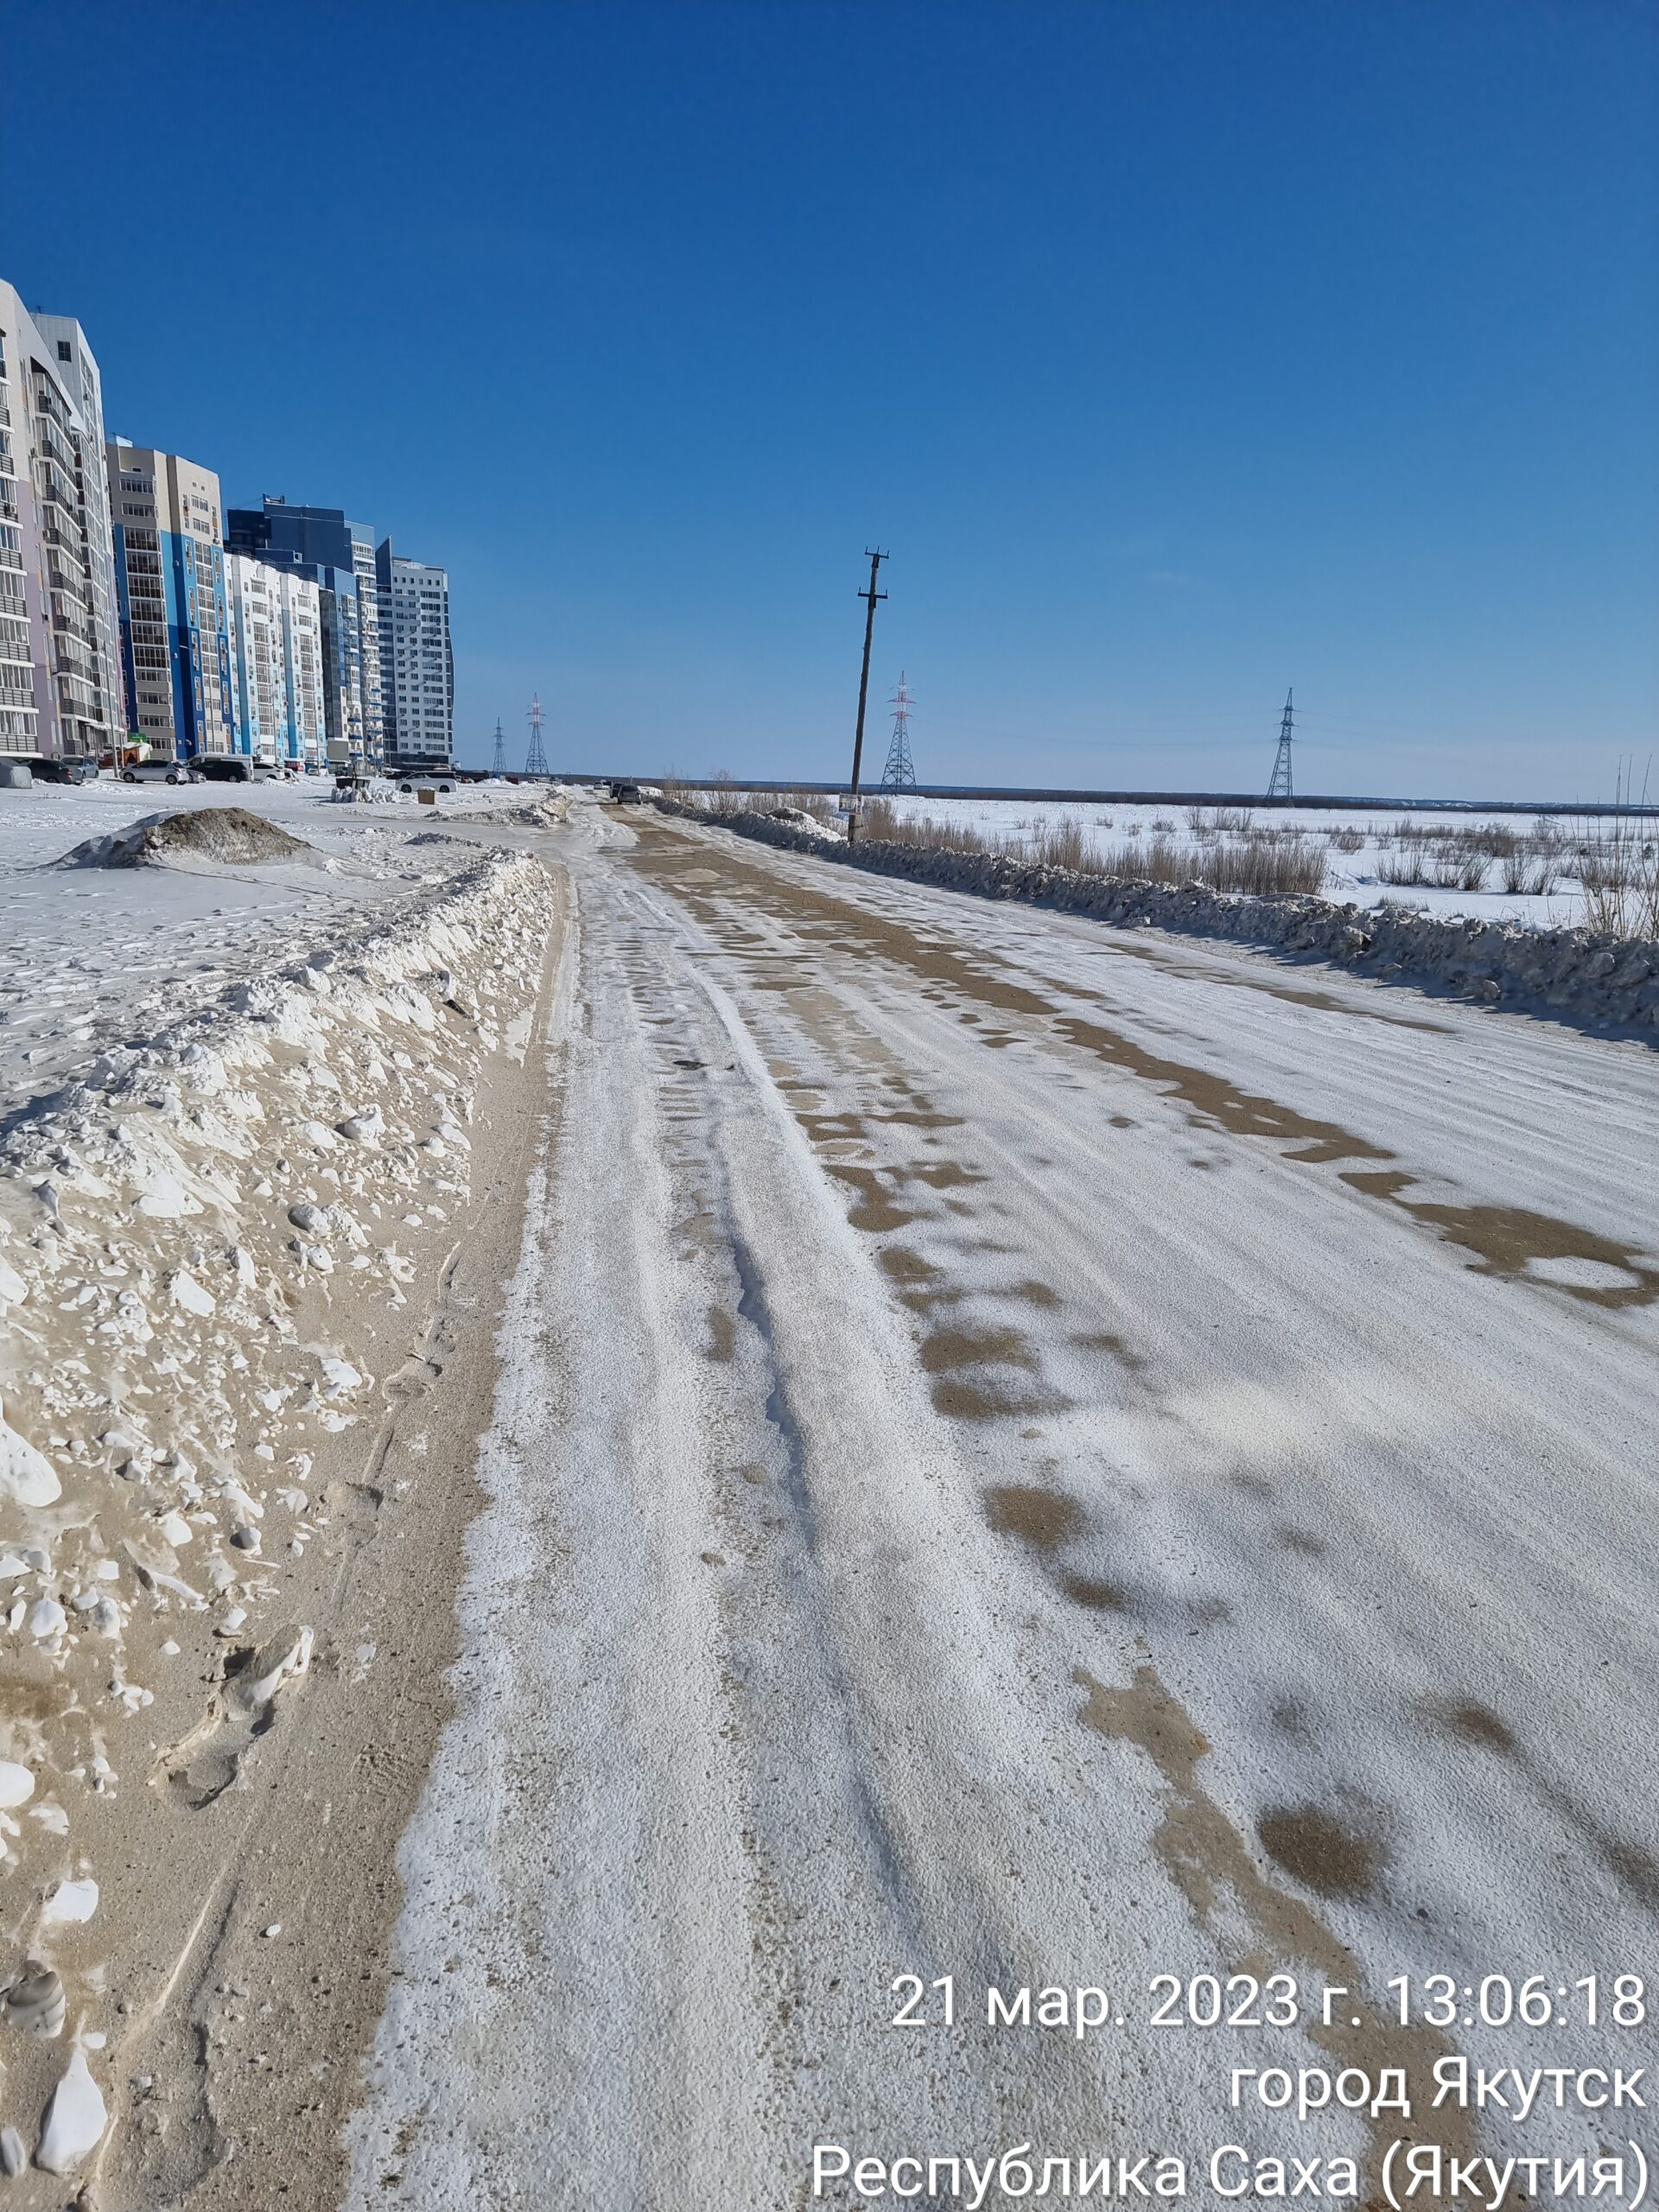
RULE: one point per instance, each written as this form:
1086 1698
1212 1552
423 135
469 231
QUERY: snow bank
195 1237
1572 972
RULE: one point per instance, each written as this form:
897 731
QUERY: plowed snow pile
197 1238
219 837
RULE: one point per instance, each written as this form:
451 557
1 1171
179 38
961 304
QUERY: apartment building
258 687
169 582
61 693
304 665
416 666
368 608
321 545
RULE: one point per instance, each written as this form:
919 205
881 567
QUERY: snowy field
1514 867
91 953
1361 850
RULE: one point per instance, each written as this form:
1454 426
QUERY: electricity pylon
899 775
498 765
1280 785
536 760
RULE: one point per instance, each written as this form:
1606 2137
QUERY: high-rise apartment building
321 545
368 608
418 677
276 663
61 693
169 582
305 664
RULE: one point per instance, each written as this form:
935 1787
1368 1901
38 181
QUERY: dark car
625 794
76 768
224 767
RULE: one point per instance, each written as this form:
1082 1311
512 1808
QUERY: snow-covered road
1038 1456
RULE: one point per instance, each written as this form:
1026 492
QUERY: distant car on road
441 782
625 794
160 771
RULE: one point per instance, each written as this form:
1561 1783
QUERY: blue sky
1179 351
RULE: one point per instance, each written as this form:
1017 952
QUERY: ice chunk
166 1198
17 1783
75 2119
284 1659
27 1476
189 1294
73 1902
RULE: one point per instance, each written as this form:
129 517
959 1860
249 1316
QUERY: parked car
160 771
440 783
77 768
224 767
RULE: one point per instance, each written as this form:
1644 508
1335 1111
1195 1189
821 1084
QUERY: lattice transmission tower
899 775
1280 785
498 765
536 760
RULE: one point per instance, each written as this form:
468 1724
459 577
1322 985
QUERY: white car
160 771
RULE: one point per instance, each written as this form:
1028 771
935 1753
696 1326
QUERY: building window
65 352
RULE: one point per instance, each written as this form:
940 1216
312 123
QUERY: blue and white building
258 686
169 577
319 544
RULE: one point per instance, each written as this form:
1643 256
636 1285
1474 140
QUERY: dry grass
1450 860
1618 873
880 821
1614 859
725 800
1530 871
1268 862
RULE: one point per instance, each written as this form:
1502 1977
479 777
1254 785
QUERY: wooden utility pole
871 596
